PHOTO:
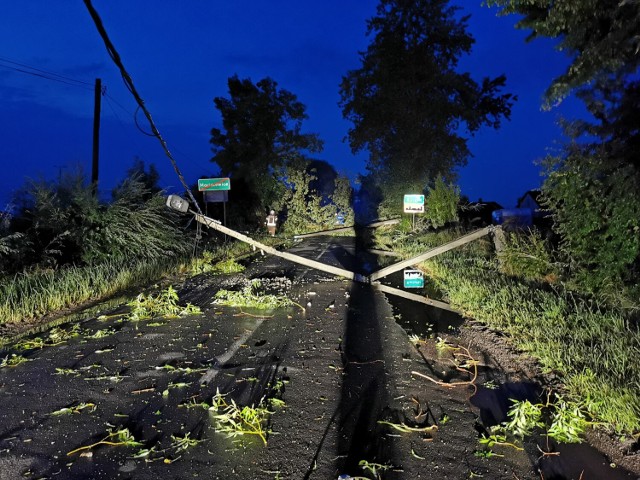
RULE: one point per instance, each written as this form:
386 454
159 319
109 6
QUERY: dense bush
134 227
58 224
596 209
441 203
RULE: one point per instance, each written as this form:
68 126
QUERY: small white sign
414 204
413 278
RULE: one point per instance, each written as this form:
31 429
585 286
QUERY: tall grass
31 295
593 346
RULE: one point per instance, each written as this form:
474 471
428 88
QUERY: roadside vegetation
590 342
61 247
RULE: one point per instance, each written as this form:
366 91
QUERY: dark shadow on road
364 395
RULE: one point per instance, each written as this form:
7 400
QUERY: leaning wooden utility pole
96 135
211 223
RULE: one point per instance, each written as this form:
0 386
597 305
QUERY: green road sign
413 278
212 184
413 204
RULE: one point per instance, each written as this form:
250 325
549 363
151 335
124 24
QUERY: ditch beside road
341 361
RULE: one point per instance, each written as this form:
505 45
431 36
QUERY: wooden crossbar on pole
431 253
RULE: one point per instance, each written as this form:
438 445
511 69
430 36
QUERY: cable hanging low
113 53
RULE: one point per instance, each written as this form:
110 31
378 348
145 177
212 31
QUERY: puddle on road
494 403
418 319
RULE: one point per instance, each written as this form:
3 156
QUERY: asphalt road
341 362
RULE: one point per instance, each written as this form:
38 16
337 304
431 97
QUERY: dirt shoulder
602 452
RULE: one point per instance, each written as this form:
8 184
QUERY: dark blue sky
180 55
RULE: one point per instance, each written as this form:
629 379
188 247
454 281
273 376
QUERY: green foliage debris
114 438
234 420
250 297
164 304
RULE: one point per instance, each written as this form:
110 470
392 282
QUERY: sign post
413 204
215 190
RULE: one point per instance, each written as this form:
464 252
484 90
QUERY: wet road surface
342 366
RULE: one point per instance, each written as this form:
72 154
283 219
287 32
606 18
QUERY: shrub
442 203
596 211
528 255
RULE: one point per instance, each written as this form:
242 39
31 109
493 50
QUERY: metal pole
431 253
224 217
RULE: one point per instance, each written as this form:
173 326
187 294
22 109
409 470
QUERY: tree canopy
600 36
593 187
408 103
261 134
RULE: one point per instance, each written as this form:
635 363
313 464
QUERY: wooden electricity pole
96 135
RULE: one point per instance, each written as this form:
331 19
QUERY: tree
593 187
407 102
308 205
600 36
261 135
149 179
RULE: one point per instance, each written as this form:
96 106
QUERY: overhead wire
128 81
38 72
135 120
182 155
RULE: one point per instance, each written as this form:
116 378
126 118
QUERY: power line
115 56
181 154
38 72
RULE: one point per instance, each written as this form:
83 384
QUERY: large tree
409 105
593 187
261 135
600 36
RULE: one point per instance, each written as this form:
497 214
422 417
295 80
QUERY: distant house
528 212
530 199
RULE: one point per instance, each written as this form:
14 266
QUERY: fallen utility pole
381 223
181 205
415 297
211 223
431 253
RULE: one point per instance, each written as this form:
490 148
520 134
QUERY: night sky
180 55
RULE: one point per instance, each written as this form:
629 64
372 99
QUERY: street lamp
177 203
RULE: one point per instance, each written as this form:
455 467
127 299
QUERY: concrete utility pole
96 135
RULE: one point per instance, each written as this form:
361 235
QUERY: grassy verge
592 346
32 295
